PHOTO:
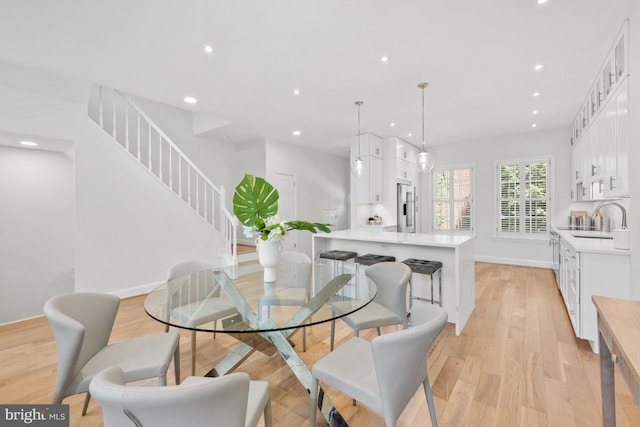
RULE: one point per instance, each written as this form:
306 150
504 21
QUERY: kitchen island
455 252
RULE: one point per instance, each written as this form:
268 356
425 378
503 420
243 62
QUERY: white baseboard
136 290
514 261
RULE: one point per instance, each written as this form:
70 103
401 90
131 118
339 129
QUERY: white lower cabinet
584 274
570 283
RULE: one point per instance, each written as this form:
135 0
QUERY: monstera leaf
254 198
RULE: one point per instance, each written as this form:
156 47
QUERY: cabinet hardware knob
611 181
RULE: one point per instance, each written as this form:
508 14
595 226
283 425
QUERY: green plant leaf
254 198
309 226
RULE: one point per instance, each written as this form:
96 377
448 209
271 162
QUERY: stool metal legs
433 300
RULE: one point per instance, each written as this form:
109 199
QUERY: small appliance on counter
579 220
375 220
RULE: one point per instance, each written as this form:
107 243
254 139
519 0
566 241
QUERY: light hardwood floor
517 363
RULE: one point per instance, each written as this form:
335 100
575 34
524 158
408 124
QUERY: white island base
455 252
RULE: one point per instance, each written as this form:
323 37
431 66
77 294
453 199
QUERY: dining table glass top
237 300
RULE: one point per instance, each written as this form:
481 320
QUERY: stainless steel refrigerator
406 208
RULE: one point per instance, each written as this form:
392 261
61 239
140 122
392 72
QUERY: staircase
139 136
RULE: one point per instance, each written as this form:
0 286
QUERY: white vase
268 255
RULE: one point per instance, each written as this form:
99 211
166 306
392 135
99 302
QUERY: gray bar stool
429 268
371 259
336 257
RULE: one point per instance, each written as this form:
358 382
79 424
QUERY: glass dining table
261 315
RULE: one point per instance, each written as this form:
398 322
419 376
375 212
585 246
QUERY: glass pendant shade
358 168
424 162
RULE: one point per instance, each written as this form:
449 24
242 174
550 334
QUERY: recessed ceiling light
409 134
534 112
190 100
208 48
296 133
534 125
296 91
538 67
542 1
536 94
29 143
384 59
392 124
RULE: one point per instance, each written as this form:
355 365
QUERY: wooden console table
619 339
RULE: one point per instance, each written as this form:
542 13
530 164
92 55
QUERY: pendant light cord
424 142
359 103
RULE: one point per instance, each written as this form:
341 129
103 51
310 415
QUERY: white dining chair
389 307
194 299
385 373
293 281
231 401
82 323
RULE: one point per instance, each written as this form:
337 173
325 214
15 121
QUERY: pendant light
424 161
358 167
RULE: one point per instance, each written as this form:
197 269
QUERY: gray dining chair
383 374
231 400
293 282
82 323
389 307
195 299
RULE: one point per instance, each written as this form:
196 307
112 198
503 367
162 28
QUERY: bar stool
429 268
336 257
371 259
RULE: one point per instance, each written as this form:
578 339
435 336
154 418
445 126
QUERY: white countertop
442 240
376 226
591 245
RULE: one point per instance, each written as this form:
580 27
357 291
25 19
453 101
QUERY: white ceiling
477 57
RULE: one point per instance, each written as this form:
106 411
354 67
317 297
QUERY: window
523 198
453 200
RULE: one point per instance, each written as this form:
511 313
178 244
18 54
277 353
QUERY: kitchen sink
592 234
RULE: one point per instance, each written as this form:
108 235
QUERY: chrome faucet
624 212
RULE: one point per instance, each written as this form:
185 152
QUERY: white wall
36 230
483 155
322 182
129 227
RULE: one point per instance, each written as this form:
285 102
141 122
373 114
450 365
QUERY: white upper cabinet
405 156
616 182
369 185
600 131
370 145
405 151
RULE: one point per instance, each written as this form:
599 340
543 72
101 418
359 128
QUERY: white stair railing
135 132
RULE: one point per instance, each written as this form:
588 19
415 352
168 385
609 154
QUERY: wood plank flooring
517 363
